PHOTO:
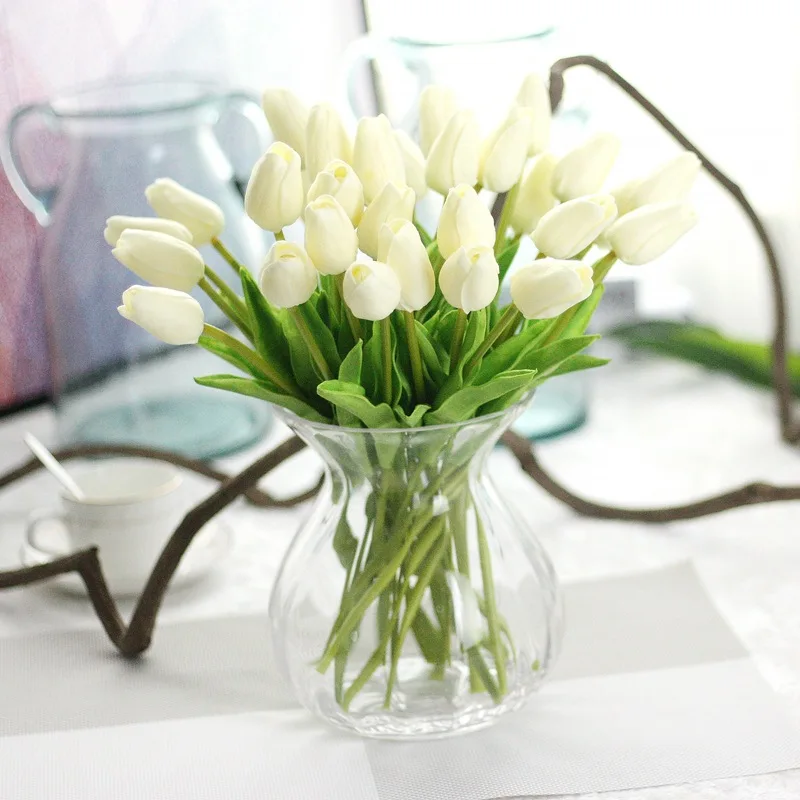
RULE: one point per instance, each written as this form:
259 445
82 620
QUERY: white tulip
648 232
371 291
287 116
288 277
455 156
172 316
331 241
465 221
414 163
401 249
533 94
160 259
326 140
571 227
583 170
274 196
393 202
377 159
470 278
534 199
506 151
669 183
340 181
202 217
117 224
550 286
437 104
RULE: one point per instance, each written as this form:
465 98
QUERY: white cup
132 506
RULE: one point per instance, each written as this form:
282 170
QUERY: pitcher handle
11 164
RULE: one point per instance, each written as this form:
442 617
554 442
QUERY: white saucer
211 545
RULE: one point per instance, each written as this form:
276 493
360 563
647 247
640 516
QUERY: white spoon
53 466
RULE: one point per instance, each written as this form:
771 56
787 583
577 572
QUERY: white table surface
659 433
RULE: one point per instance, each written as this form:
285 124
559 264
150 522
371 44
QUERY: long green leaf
546 359
502 358
268 332
506 258
431 357
224 352
583 316
579 362
351 397
350 372
322 335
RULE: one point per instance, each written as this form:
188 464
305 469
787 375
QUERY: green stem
505 218
227 292
478 665
226 254
386 347
353 322
458 339
311 343
508 320
602 267
487 578
279 237
415 356
225 307
253 358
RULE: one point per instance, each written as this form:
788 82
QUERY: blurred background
728 74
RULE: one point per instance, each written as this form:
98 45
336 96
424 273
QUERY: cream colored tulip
571 227
377 159
160 259
401 249
331 240
117 224
287 278
202 217
287 116
371 291
173 317
414 163
549 286
506 151
455 156
533 94
465 221
274 196
340 181
584 170
470 278
326 140
669 183
534 199
437 104
393 202
648 232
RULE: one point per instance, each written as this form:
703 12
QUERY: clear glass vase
414 602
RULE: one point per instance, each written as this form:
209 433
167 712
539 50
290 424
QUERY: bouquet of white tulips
373 321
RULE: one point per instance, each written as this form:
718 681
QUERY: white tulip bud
160 259
371 291
401 249
583 170
437 104
533 94
288 277
393 202
470 278
172 316
465 221
202 217
414 163
455 156
534 199
377 159
274 196
331 241
571 227
287 116
549 286
506 151
117 224
326 140
669 183
340 181
648 232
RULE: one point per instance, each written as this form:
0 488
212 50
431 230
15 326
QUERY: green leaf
579 362
583 316
423 234
262 390
302 367
431 357
477 328
464 403
350 372
504 357
505 258
545 360
345 544
268 332
224 352
414 419
351 397
322 335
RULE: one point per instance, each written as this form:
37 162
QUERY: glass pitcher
111 381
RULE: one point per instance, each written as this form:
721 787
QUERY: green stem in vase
487 578
458 339
296 314
415 356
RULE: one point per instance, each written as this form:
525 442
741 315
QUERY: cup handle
34 520
11 163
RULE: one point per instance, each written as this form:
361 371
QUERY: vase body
414 601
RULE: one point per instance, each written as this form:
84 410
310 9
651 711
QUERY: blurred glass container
102 145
